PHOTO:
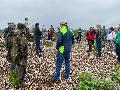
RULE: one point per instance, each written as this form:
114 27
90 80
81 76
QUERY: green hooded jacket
117 40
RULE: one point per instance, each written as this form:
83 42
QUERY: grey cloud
78 13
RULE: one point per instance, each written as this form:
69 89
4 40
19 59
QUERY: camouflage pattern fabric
17 53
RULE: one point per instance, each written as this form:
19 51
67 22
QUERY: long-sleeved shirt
37 34
67 40
111 36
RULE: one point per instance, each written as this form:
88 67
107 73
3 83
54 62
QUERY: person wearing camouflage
18 51
13 53
23 49
6 32
99 37
12 46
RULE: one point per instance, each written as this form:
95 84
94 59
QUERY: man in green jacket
64 44
117 42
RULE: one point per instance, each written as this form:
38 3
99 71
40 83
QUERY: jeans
99 47
90 43
37 48
118 52
60 58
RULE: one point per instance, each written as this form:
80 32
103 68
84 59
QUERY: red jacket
90 36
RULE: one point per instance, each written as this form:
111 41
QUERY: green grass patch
86 81
13 78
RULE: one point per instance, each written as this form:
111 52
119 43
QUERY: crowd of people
18 35
103 37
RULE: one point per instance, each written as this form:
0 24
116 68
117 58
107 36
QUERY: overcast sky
78 13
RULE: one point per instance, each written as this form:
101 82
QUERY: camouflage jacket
12 46
99 34
17 47
23 44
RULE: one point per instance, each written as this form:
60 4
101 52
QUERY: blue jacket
106 32
67 39
37 34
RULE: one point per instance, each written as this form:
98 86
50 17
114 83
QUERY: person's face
13 27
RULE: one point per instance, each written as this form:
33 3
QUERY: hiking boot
55 81
66 78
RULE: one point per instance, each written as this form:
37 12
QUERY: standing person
90 37
12 44
27 26
6 32
51 33
99 36
43 28
105 32
48 34
111 37
17 53
13 52
117 29
79 35
26 23
105 35
64 44
117 43
44 32
38 36
23 51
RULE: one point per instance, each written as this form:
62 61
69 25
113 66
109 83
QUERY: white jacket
111 36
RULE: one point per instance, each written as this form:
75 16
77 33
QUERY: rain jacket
65 40
37 34
117 40
90 36
111 36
